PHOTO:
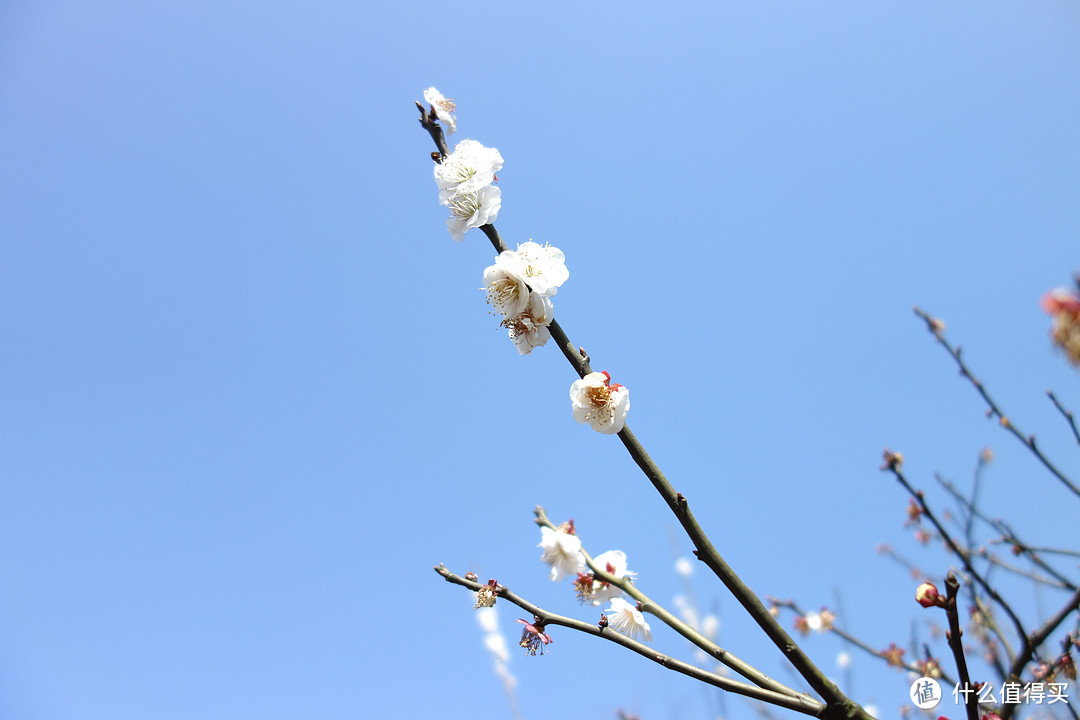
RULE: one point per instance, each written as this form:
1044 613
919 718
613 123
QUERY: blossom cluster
522 282
563 554
1064 307
520 285
465 177
465 187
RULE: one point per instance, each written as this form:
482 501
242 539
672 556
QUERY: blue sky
253 392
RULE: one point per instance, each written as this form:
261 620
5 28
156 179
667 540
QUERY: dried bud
471 576
893 655
1068 666
914 513
485 596
893 461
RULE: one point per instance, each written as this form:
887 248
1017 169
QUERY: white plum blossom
529 328
506 290
597 402
562 553
543 267
613 562
471 210
684 567
470 167
444 108
628 620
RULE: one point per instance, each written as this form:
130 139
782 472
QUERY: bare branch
936 329
1068 415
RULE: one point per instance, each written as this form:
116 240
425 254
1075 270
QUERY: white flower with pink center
603 405
613 562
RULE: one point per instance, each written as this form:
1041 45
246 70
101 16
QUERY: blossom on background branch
1063 305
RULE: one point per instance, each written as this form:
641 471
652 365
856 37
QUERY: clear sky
252 392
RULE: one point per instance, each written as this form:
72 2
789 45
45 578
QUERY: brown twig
1037 638
971 700
935 328
1007 535
893 466
1068 415
851 639
430 121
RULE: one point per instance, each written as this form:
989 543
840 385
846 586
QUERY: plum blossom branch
837 704
648 605
798 703
937 329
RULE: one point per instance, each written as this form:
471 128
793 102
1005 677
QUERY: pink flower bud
928 596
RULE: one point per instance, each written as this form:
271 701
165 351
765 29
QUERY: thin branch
935 327
800 703
1037 549
1021 572
1031 644
849 638
892 464
1010 537
690 633
1068 415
